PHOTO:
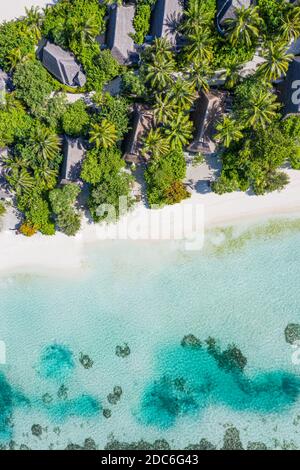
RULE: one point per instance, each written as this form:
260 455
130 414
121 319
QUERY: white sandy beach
64 253
12 9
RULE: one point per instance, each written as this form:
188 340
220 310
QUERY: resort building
5 194
119 31
3 82
74 153
142 123
166 17
208 110
62 64
226 9
294 47
289 89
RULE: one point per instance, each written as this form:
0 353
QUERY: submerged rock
107 413
36 430
160 444
232 440
24 447
86 361
230 359
89 444
256 446
191 341
114 397
292 333
62 393
123 350
204 444
47 398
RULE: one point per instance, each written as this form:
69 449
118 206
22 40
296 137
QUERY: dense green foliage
33 84
141 21
15 37
62 202
76 119
253 140
103 169
163 178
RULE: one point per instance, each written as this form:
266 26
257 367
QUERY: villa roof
294 47
166 18
206 114
74 153
289 92
3 79
62 64
142 123
119 30
226 9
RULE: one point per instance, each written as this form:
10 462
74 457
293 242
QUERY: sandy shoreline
10 10
202 209
62 253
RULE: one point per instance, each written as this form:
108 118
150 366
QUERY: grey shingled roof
166 18
74 153
3 83
294 47
62 64
142 123
288 89
226 9
119 29
207 113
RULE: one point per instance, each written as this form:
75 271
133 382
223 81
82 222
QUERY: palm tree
182 93
199 73
155 144
86 32
195 16
17 56
33 20
44 144
163 109
104 134
261 110
228 131
199 46
277 61
232 74
244 27
21 181
159 74
290 26
179 131
45 175
162 47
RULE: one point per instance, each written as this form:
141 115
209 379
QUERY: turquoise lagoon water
240 291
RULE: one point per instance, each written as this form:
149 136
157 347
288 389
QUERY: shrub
27 229
76 119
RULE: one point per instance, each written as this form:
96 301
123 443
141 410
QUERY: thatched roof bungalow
289 89
74 153
166 18
62 64
209 107
119 31
142 123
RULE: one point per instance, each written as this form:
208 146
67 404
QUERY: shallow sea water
242 289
